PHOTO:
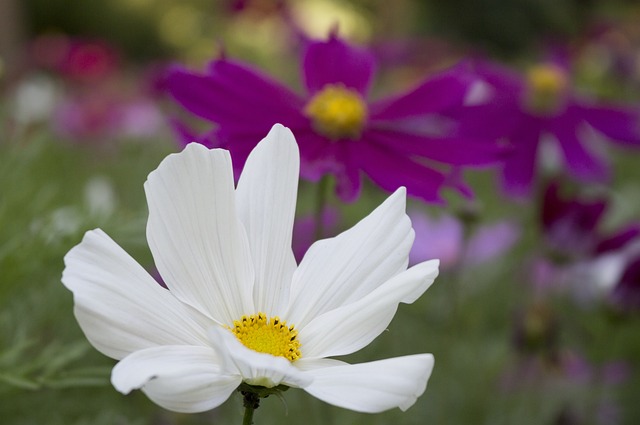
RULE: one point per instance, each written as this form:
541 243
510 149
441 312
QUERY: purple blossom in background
582 258
525 111
572 226
394 141
441 236
444 236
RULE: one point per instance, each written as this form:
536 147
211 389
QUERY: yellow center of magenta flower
547 86
268 335
337 112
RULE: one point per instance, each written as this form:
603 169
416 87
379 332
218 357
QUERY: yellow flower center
547 86
337 112
267 335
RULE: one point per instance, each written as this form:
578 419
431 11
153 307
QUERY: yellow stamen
547 86
337 112
268 335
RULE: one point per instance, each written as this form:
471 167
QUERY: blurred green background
57 182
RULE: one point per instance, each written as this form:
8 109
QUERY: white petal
119 306
254 367
185 379
353 326
266 199
340 270
373 387
199 245
312 364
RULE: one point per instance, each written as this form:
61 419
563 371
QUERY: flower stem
321 200
251 395
251 402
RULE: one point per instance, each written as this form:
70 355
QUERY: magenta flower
339 130
581 258
572 226
542 106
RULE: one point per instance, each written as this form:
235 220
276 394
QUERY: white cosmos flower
225 255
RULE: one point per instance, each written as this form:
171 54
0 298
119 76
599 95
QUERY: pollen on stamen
337 112
267 335
547 85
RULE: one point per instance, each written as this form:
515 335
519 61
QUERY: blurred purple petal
519 168
619 239
570 225
448 150
436 94
231 93
440 238
334 61
249 87
621 125
626 293
616 372
582 163
491 241
391 171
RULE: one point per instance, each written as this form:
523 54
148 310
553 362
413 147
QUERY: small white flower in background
35 99
239 309
100 197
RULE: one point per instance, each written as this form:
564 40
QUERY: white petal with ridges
313 364
351 327
254 367
375 386
340 270
119 306
199 245
184 379
266 203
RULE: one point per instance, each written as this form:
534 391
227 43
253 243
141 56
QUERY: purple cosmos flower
339 130
581 258
541 106
571 226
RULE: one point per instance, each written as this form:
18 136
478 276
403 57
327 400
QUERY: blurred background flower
396 141
541 107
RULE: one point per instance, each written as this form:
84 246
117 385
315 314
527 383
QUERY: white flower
225 255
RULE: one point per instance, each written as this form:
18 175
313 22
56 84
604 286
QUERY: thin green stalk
251 402
247 419
468 216
251 396
321 200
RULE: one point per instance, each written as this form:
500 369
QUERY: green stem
251 395
247 419
251 402
321 200
468 216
